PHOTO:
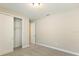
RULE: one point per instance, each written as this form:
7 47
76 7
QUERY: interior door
33 33
17 32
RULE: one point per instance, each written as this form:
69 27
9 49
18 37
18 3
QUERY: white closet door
17 33
6 34
33 33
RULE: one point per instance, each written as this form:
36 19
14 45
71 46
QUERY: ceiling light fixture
36 4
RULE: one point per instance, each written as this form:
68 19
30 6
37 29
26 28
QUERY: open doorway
17 33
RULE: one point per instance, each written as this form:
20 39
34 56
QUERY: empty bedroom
39 29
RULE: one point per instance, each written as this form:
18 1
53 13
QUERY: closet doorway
17 33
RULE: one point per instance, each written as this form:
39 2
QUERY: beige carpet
37 50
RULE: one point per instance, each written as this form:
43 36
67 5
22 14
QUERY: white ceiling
43 10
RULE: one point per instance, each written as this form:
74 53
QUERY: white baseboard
4 52
25 46
67 51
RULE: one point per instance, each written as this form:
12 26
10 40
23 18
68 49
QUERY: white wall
6 34
25 33
25 27
60 31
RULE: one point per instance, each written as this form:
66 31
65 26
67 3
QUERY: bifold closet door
6 34
17 32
